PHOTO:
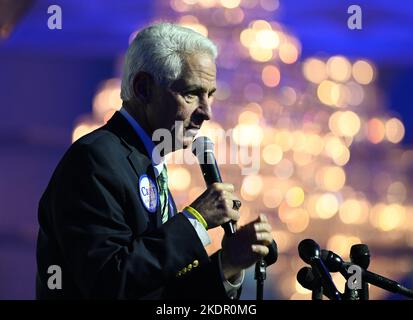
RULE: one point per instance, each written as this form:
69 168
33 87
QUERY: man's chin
187 141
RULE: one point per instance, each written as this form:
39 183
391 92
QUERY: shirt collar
157 161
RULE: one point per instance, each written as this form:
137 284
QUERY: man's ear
143 86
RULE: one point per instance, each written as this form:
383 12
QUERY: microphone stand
260 276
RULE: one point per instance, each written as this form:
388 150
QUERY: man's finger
262 218
264 238
262 226
233 214
260 249
224 186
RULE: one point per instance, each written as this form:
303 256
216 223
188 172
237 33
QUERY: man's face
188 101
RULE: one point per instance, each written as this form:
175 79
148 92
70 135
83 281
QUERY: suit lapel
141 165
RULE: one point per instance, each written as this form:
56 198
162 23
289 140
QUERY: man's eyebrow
198 88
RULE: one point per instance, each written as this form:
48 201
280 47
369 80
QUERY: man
107 218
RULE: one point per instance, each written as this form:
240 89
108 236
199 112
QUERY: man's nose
205 107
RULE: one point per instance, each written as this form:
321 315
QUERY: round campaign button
148 193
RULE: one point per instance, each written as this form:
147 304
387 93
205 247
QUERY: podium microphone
335 263
360 255
203 149
309 251
309 281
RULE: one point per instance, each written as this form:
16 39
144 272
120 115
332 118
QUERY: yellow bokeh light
363 72
302 158
314 70
179 6
245 135
271 76
261 25
272 154
189 19
284 139
350 211
294 196
267 39
254 107
341 244
375 214
391 217
247 37
394 130
83 129
331 178
200 28
230 4
179 178
300 140
325 92
207 3
349 123
314 145
334 147
107 98
327 206
339 68
252 185
260 54
342 157
298 220
288 53
248 117
272 198
283 240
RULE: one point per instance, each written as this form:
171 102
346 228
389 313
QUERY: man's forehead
198 70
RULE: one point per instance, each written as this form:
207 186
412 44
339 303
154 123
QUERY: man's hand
216 204
246 246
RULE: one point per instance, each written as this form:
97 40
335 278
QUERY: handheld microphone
360 255
308 280
309 252
335 263
203 149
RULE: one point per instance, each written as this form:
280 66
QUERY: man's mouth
192 130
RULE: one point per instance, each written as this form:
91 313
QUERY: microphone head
360 255
308 249
306 278
272 255
201 145
332 261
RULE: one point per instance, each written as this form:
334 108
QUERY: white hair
160 50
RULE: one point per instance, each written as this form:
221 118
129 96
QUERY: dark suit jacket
94 225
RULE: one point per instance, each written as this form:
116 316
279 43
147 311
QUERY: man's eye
190 95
